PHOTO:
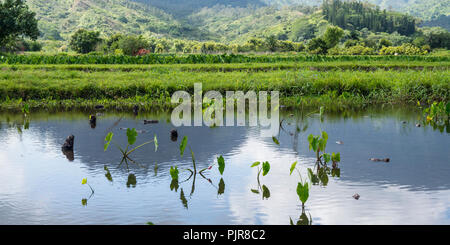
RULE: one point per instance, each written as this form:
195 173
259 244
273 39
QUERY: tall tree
16 20
84 41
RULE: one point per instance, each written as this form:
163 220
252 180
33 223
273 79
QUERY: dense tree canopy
355 15
84 41
16 20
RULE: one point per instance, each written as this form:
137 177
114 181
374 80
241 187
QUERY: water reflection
41 185
302 220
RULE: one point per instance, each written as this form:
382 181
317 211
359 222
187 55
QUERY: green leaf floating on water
183 145
293 167
275 140
132 135
84 181
108 139
221 163
266 168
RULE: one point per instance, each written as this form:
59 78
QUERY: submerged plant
131 139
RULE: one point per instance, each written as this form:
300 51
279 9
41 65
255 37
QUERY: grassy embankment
338 84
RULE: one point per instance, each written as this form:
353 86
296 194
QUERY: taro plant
437 114
318 144
85 200
174 171
302 186
263 168
131 139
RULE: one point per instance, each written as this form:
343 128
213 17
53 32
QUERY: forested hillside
58 19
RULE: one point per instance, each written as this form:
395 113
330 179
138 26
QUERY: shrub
84 41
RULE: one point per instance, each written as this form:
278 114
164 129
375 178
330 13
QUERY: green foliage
84 41
108 139
317 46
131 136
275 140
438 114
130 45
292 168
332 36
221 163
174 173
319 142
265 168
131 139
183 145
303 192
405 49
355 15
338 81
16 20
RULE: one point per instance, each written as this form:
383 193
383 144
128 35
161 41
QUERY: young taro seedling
174 172
131 136
438 114
265 168
302 186
85 200
318 144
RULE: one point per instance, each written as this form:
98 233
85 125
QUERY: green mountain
218 20
58 19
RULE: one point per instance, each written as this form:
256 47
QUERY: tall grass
201 59
156 86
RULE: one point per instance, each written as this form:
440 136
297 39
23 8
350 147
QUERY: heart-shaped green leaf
303 192
266 168
132 135
221 163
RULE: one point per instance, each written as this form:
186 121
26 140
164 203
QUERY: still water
41 185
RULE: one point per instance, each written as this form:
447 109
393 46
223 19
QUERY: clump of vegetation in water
131 136
318 144
174 173
437 114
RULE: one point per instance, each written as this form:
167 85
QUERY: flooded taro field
41 184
